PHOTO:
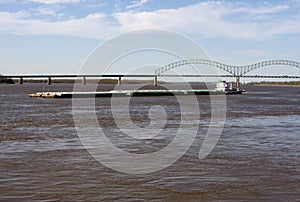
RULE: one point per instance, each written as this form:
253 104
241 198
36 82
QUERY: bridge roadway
120 76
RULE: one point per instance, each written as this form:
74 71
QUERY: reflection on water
257 157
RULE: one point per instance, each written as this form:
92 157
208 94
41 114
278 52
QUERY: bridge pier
84 80
119 80
155 81
49 80
21 81
238 85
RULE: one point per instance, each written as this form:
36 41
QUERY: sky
56 36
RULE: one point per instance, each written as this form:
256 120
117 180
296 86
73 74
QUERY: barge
221 88
122 93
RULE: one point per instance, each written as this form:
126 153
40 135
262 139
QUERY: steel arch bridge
235 70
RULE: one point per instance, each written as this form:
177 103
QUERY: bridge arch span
235 70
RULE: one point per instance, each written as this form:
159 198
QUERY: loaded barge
121 93
222 88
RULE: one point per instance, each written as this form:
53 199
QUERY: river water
257 157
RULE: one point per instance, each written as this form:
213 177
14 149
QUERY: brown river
257 157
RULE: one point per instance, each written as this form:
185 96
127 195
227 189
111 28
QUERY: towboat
228 88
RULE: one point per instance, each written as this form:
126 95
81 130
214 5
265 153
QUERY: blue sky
55 36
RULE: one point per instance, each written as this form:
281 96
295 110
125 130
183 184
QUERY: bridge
233 70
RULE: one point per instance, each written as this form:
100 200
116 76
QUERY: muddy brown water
256 159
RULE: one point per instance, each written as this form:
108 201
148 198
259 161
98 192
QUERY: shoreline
285 85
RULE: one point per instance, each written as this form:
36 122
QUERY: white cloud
211 19
206 19
96 5
47 12
91 26
261 10
290 26
137 3
54 1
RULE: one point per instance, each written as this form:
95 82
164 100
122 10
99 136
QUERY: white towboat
227 87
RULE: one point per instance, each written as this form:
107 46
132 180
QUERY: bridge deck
138 76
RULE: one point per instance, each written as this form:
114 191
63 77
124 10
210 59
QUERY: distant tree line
6 80
277 83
